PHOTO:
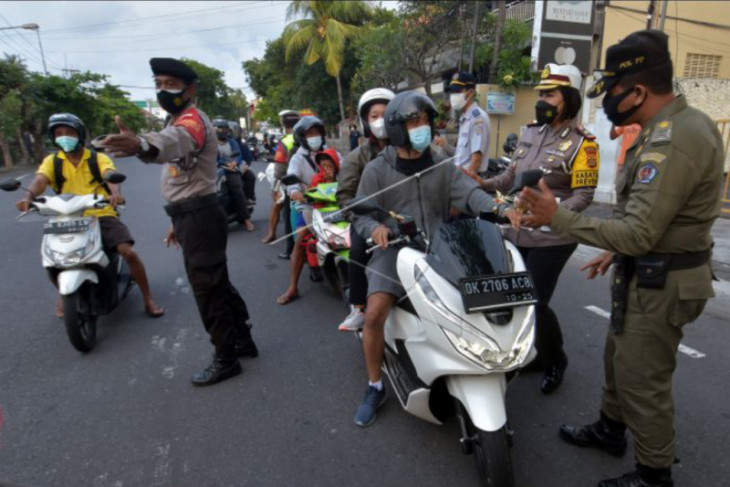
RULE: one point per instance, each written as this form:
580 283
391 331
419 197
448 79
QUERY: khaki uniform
570 154
668 198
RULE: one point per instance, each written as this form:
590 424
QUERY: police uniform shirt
474 130
188 150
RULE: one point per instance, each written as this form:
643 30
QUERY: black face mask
545 113
610 106
171 102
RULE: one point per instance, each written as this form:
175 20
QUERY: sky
118 38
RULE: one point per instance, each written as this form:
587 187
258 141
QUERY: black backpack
93 166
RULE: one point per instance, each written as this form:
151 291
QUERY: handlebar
392 240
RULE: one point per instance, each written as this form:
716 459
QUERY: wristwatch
144 146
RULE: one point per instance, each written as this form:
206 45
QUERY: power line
168 48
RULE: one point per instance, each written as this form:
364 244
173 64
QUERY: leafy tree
379 67
323 33
513 68
214 96
13 77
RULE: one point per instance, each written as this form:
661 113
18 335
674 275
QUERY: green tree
13 77
213 94
323 33
379 67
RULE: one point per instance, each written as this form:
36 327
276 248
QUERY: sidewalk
720 233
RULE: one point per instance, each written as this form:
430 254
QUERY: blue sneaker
365 415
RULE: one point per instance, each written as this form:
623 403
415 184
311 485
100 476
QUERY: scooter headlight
433 298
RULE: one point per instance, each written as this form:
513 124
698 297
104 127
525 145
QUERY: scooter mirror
115 177
9 184
290 179
362 206
525 179
96 143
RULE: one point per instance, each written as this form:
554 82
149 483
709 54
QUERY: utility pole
663 16
650 14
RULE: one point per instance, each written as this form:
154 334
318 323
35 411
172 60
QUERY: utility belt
191 204
651 272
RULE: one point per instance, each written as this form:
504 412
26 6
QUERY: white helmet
376 95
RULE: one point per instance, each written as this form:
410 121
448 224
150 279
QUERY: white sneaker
354 321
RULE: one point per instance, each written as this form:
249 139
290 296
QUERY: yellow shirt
78 178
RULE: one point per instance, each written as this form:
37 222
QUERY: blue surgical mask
314 143
420 137
67 143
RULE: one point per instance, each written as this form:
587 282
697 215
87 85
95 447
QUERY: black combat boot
224 366
606 434
642 477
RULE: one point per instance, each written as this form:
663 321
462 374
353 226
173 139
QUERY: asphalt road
126 414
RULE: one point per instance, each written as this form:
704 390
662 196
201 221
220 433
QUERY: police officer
555 143
668 196
472 147
187 149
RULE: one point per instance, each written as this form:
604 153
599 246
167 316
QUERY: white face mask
458 100
314 143
378 128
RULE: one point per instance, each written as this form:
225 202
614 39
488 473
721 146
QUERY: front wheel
80 326
493 458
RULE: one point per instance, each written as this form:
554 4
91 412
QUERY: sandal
286 298
268 240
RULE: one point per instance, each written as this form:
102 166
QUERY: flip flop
286 298
154 314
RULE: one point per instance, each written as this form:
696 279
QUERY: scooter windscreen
468 248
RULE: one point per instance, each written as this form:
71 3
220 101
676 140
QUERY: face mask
458 101
420 137
171 101
610 106
67 143
378 128
314 143
545 113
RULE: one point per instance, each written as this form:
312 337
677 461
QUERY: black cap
638 52
462 81
172 67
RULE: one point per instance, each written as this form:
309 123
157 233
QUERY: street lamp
37 30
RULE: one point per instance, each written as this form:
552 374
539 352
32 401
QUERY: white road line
682 348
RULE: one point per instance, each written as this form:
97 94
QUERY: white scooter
464 327
91 282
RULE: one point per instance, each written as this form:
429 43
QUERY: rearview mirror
363 206
290 179
9 184
115 177
526 179
96 143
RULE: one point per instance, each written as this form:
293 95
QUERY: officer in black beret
659 241
187 149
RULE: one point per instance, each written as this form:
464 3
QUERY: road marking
162 469
682 348
158 343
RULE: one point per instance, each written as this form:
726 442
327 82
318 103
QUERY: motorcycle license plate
66 226
501 291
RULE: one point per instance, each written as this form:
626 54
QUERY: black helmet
406 106
221 123
67 120
305 124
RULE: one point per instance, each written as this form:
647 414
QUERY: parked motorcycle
466 323
498 165
91 282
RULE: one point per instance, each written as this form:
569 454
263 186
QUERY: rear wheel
491 450
333 277
80 326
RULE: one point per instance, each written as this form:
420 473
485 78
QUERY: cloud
119 38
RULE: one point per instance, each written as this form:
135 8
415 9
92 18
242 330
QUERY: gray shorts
382 273
113 233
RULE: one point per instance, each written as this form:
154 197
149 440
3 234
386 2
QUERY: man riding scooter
77 170
229 165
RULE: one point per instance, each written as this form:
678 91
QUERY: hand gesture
599 265
124 144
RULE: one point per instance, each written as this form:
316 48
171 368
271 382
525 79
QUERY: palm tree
323 29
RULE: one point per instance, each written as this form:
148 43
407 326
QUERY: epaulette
475 112
585 133
533 124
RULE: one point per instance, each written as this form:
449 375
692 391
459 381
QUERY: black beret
173 67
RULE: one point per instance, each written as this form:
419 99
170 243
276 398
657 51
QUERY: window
702 66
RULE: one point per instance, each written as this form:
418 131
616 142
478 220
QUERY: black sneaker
366 413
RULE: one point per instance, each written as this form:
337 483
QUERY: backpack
93 167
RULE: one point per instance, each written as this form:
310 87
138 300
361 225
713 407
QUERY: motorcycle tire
491 450
333 278
80 327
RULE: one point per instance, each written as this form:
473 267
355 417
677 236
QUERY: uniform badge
646 173
174 171
545 73
662 133
556 153
475 112
565 145
565 132
653 157
591 157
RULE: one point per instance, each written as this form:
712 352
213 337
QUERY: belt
678 262
191 204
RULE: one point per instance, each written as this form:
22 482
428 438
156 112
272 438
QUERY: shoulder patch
191 121
662 133
585 133
653 157
475 112
646 173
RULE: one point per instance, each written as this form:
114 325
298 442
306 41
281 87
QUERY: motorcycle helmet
289 118
406 106
331 154
68 120
222 129
369 98
303 125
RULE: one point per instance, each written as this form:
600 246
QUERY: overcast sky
118 38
